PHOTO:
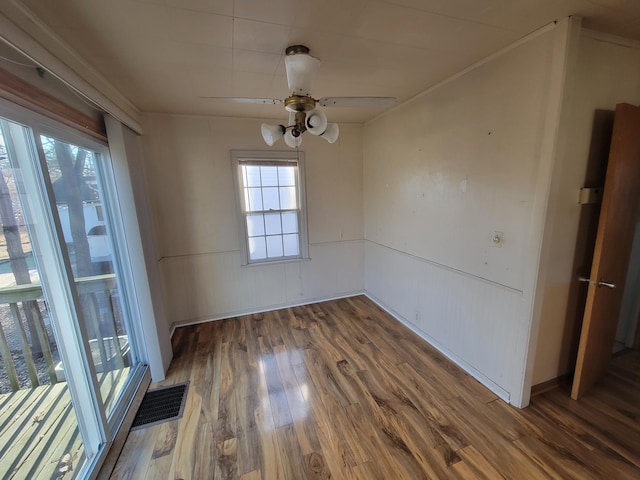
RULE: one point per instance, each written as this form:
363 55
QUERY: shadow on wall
601 130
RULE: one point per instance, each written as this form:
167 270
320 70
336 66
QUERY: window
270 194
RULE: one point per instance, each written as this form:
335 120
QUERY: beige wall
189 178
442 173
606 74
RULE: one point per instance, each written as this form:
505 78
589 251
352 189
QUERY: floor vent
161 405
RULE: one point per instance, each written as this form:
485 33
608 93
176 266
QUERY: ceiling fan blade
263 101
363 102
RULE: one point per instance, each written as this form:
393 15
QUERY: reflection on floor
341 390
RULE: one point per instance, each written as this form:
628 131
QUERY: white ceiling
164 54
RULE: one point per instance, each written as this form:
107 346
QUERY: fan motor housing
299 103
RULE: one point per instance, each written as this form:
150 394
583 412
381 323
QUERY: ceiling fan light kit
291 141
301 69
331 133
316 122
272 133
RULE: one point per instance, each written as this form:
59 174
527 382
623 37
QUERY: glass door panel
82 207
39 427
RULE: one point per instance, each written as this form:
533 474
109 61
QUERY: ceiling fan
304 115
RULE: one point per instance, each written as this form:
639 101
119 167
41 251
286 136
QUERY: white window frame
239 157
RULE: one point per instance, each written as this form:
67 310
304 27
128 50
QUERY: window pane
272 223
257 248
291 245
255 200
288 198
269 176
252 175
274 246
286 176
290 222
255 225
271 200
79 192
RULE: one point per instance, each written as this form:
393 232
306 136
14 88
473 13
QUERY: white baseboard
268 308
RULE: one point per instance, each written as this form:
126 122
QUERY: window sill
276 262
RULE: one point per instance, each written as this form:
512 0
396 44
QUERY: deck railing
97 295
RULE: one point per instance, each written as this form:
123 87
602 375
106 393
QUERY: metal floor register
161 405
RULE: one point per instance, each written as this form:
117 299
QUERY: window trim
270 157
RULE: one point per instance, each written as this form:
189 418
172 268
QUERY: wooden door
612 250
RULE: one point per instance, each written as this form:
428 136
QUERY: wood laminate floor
341 390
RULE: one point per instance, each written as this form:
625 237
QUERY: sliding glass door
61 200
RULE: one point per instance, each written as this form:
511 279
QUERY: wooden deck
39 434
341 390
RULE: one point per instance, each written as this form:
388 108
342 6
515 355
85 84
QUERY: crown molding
610 38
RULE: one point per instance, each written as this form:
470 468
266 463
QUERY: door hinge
589 196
